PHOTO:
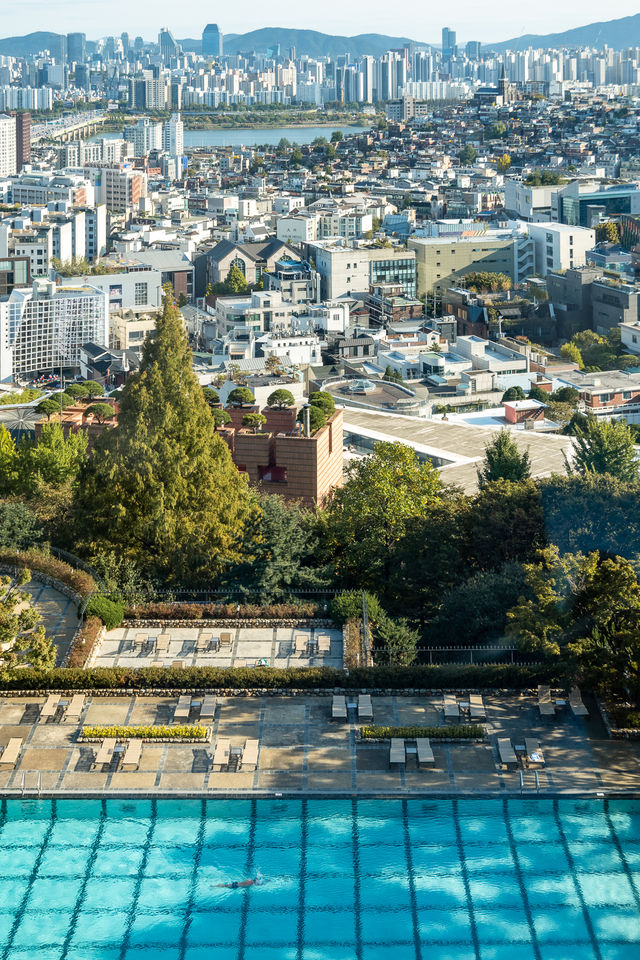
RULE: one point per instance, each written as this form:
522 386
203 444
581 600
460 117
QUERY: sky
492 20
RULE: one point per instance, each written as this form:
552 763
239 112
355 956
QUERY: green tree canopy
395 642
235 282
608 232
281 398
383 496
513 393
22 637
604 446
52 459
240 396
324 400
211 396
337 136
100 412
254 421
504 461
467 155
18 524
485 280
317 417
8 462
161 487
220 418
93 388
77 390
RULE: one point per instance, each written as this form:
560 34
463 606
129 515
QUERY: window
140 294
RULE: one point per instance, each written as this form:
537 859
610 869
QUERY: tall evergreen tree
161 487
604 447
503 461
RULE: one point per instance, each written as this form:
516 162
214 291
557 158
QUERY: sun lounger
507 753
105 752
365 708
132 755
50 707
397 756
545 703
578 708
425 753
225 639
141 639
324 644
339 708
162 642
203 642
451 708
208 708
476 707
535 757
178 663
301 643
10 754
250 755
182 709
75 708
221 753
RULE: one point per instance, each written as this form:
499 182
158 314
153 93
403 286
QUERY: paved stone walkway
302 751
59 616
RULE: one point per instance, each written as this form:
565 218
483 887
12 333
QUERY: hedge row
79 581
440 677
454 732
188 731
223 611
84 643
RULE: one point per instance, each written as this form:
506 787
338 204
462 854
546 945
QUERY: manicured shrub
348 606
449 677
193 731
223 611
79 581
111 612
84 643
453 732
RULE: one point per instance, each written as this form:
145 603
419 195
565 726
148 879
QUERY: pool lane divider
465 880
572 869
6 954
520 879
357 898
412 880
131 915
93 853
625 866
303 874
244 910
193 883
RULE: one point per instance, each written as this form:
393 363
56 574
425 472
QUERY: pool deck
303 752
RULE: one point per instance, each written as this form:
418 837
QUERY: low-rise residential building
559 246
441 261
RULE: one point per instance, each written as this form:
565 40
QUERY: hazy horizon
492 23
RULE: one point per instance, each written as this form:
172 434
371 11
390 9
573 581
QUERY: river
252 136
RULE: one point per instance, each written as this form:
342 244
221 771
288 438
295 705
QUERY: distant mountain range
616 34
308 42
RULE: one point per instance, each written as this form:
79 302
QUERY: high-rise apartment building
173 136
43 327
212 41
23 140
8 161
145 135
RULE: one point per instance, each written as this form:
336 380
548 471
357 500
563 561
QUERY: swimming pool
415 879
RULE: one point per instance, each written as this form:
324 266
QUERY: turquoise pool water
347 880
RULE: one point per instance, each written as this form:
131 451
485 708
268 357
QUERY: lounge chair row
399 748
70 710
532 757
131 754
364 705
184 706
203 643
547 706
246 757
305 645
473 706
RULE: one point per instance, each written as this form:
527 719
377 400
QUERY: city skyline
102 17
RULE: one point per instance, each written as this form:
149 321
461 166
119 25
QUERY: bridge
74 127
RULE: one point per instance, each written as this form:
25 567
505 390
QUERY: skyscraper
168 46
212 41
448 43
77 47
23 140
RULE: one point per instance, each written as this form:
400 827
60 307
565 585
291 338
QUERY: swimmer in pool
238 884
